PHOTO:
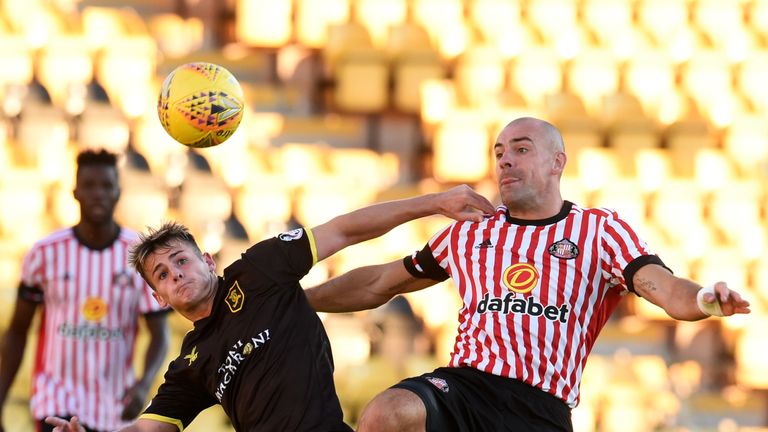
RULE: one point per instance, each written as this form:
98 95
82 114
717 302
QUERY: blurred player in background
257 346
539 278
92 300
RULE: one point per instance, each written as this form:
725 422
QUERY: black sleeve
422 264
30 293
284 258
178 401
637 264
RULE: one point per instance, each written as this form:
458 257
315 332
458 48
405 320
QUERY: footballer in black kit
263 353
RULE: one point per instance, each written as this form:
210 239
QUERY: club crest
564 249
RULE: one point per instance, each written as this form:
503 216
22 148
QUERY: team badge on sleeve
440 383
291 235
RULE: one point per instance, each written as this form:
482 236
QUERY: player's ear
558 165
210 261
159 299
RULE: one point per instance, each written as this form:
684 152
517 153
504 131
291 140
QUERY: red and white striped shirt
92 298
536 293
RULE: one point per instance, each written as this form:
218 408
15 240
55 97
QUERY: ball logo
520 277
94 309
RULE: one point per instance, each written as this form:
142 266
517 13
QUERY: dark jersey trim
637 264
430 269
562 214
31 293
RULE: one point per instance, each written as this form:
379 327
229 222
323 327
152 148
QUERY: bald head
545 130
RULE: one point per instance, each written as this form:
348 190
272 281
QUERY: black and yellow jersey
263 353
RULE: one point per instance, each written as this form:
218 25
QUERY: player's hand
62 425
133 400
464 204
731 302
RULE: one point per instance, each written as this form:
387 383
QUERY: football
200 104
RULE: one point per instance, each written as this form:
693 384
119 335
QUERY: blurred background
662 103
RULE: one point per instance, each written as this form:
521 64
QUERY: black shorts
468 400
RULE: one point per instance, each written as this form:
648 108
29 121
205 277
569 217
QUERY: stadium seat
706 77
683 139
438 99
204 200
750 80
750 352
102 126
735 208
361 82
64 64
535 73
143 200
717 19
409 73
649 75
626 197
437 16
597 167
343 39
746 143
757 16
662 18
16 63
379 17
22 190
552 17
263 205
314 16
712 168
407 39
462 136
592 75
493 18
126 69
607 18
42 147
264 23
479 76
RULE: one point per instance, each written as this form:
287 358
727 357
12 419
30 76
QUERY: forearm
12 352
678 299
378 219
156 350
349 292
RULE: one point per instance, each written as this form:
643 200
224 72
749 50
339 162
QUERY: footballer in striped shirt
538 277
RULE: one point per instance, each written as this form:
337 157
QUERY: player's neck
97 236
543 210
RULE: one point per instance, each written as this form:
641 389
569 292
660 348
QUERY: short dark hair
157 239
92 157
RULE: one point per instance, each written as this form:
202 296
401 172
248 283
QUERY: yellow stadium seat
42 147
607 18
409 73
462 136
735 207
102 25
683 139
103 126
662 18
717 19
653 167
345 38
479 75
682 197
535 73
598 167
314 16
492 17
23 198
626 197
438 98
143 200
592 75
551 17
264 23
63 64
204 200
746 143
750 79
379 16
16 62
407 38
264 205
127 70
712 169
361 82
757 16
750 351
437 16
707 76
649 75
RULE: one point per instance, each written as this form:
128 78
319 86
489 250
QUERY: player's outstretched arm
460 203
140 425
364 288
686 300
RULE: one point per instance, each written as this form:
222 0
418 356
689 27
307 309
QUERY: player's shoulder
600 212
57 236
